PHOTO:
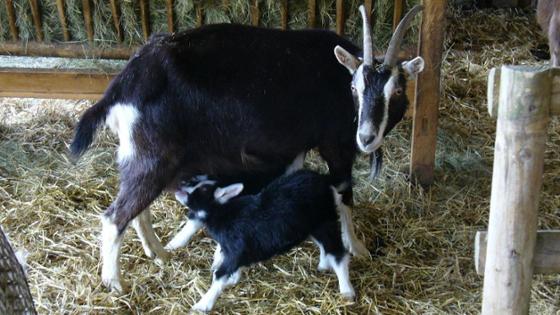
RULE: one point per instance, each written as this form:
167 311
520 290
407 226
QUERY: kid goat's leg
226 275
183 237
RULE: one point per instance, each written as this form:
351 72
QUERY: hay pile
215 11
422 240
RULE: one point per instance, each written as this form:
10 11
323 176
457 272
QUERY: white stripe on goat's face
121 121
375 89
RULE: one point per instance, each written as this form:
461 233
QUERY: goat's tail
88 124
349 238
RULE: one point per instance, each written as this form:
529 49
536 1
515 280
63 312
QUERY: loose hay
422 240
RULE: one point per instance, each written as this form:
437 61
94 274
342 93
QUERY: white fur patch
348 235
110 250
183 237
206 303
343 275
121 120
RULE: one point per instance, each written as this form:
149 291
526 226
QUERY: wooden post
170 16
397 13
12 19
115 12
255 13
340 17
369 9
36 13
547 252
88 20
516 182
145 18
284 14
311 13
62 18
199 15
424 123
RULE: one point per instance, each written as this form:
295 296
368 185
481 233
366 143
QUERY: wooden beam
311 13
64 50
547 252
369 10
255 13
53 83
170 16
199 15
12 20
428 92
493 91
145 18
397 12
516 184
340 19
284 14
36 13
62 17
116 14
88 19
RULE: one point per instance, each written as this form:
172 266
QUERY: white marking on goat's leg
184 236
343 275
110 251
121 120
324 264
349 238
297 164
206 303
218 258
151 244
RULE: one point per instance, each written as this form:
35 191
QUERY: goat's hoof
202 307
350 295
171 247
116 285
323 267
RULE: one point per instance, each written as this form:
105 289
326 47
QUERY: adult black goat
238 102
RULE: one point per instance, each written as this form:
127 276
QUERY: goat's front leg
151 244
206 303
184 236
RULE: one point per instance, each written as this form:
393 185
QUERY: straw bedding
421 240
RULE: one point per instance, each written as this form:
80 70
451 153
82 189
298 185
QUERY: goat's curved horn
368 42
395 44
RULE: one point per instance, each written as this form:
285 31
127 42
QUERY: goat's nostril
367 138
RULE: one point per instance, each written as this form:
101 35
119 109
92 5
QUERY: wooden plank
36 13
547 252
284 14
53 83
397 12
311 13
66 50
428 92
369 10
255 13
116 14
12 20
516 184
494 89
199 15
88 19
62 17
170 16
340 19
145 18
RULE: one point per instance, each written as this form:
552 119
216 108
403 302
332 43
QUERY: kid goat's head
200 193
379 87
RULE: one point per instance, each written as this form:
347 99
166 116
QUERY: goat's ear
346 59
224 194
413 67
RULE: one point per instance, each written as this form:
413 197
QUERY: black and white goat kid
254 228
237 102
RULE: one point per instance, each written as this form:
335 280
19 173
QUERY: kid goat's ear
224 194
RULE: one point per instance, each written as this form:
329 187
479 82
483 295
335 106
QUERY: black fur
254 228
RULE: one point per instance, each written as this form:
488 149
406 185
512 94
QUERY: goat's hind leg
227 275
150 243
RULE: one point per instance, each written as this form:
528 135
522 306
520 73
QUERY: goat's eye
353 89
398 91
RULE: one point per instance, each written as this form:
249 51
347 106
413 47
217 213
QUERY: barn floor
421 240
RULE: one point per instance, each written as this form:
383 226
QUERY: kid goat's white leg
343 275
206 303
183 237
